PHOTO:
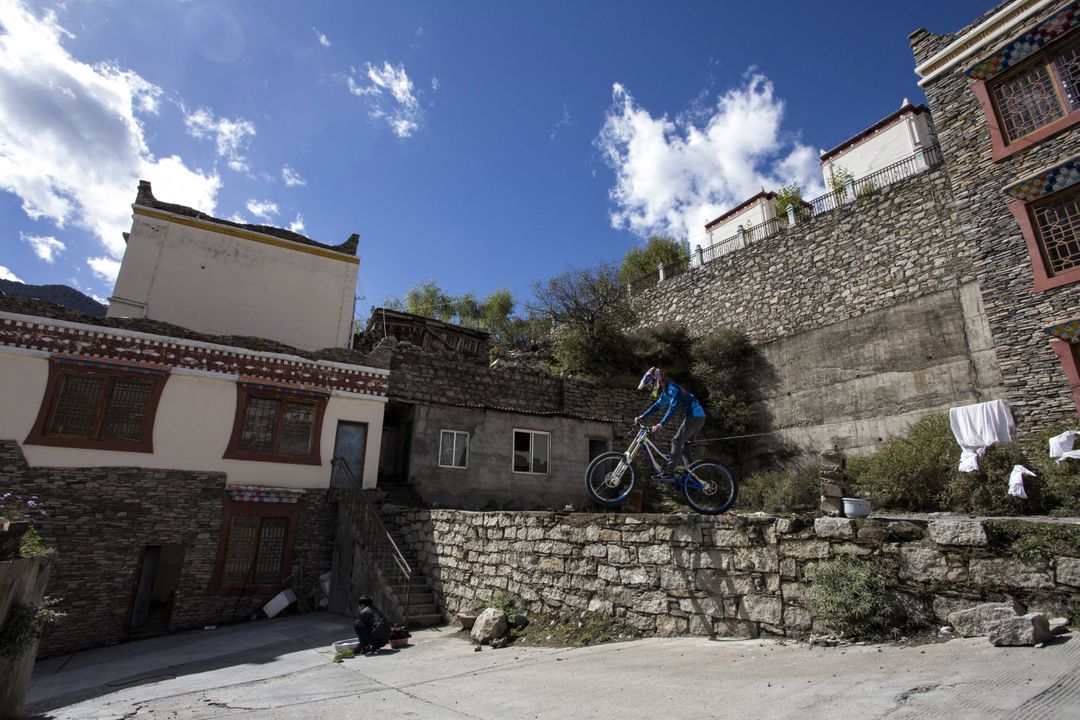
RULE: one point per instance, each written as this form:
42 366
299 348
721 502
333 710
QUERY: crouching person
372 628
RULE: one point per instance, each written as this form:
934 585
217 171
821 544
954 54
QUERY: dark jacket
376 622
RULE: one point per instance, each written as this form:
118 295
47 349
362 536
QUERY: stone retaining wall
737 576
102 518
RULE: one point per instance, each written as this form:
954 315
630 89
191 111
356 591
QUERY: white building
723 232
222 278
892 139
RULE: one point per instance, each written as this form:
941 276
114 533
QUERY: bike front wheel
710 488
610 478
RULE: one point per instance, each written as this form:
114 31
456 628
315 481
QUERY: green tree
640 266
591 312
787 196
495 312
429 300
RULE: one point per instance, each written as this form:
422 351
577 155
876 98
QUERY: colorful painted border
1047 181
1027 44
1069 331
93 344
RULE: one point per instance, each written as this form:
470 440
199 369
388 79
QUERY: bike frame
642 440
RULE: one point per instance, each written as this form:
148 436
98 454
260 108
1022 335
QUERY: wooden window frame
1000 147
468 447
1069 355
58 369
1043 279
263 510
530 471
245 393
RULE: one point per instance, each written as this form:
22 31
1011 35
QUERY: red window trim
1069 355
999 150
39 436
233 451
1043 279
240 508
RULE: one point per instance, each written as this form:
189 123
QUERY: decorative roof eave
1027 44
1046 181
987 31
61 338
244 234
263 493
763 195
1069 331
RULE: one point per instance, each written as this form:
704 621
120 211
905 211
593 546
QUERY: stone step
426 620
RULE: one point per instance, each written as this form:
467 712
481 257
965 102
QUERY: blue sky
480 144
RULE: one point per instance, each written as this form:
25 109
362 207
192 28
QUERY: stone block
599 605
674 578
699 625
635 576
654 555
789 568
873 535
976 621
702 606
1006 572
720 583
1067 571
796 616
690 534
655 603
923 564
787 526
833 490
762 608
618 554
958 532
830 527
905 531
667 626
1029 629
805 549
759 559
736 629
832 506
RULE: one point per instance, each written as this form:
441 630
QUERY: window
98 405
1035 99
255 551
531 451
453 449
1051 228
598 446
278 426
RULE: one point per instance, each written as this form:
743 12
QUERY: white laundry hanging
977 427
1061 446
1016 481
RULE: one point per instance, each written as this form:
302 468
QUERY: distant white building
723 232
223 278
894 138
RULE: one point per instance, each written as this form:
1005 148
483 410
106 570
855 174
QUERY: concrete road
282 669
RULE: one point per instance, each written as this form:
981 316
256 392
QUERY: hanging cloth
977 427
1061 446
1016 481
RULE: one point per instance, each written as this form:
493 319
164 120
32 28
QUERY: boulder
977 620
1030 629
905 531
955 531
466 619
489 625
1059 625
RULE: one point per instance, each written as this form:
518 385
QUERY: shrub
855 598
772 491
909 472
986 491
722 377
24 626
1060 481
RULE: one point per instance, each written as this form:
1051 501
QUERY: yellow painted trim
246 235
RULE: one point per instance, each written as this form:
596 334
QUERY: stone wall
737 576
1033 380
437 378
102 518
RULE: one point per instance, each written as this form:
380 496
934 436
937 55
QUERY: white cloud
567 120
231 136
45 247
262 209
297 225
291 177
390 86
323 40
435 84
237 218
6 274
72 146
105 269
673 176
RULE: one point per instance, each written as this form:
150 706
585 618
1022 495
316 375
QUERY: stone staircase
423 609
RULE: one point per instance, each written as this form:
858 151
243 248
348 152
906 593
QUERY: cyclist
676 397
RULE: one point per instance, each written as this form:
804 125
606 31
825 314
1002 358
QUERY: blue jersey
676 398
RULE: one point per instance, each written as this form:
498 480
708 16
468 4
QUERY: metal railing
371 534
925 159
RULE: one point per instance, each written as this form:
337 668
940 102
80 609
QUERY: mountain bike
709 487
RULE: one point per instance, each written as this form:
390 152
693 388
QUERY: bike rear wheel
610 478
711 488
